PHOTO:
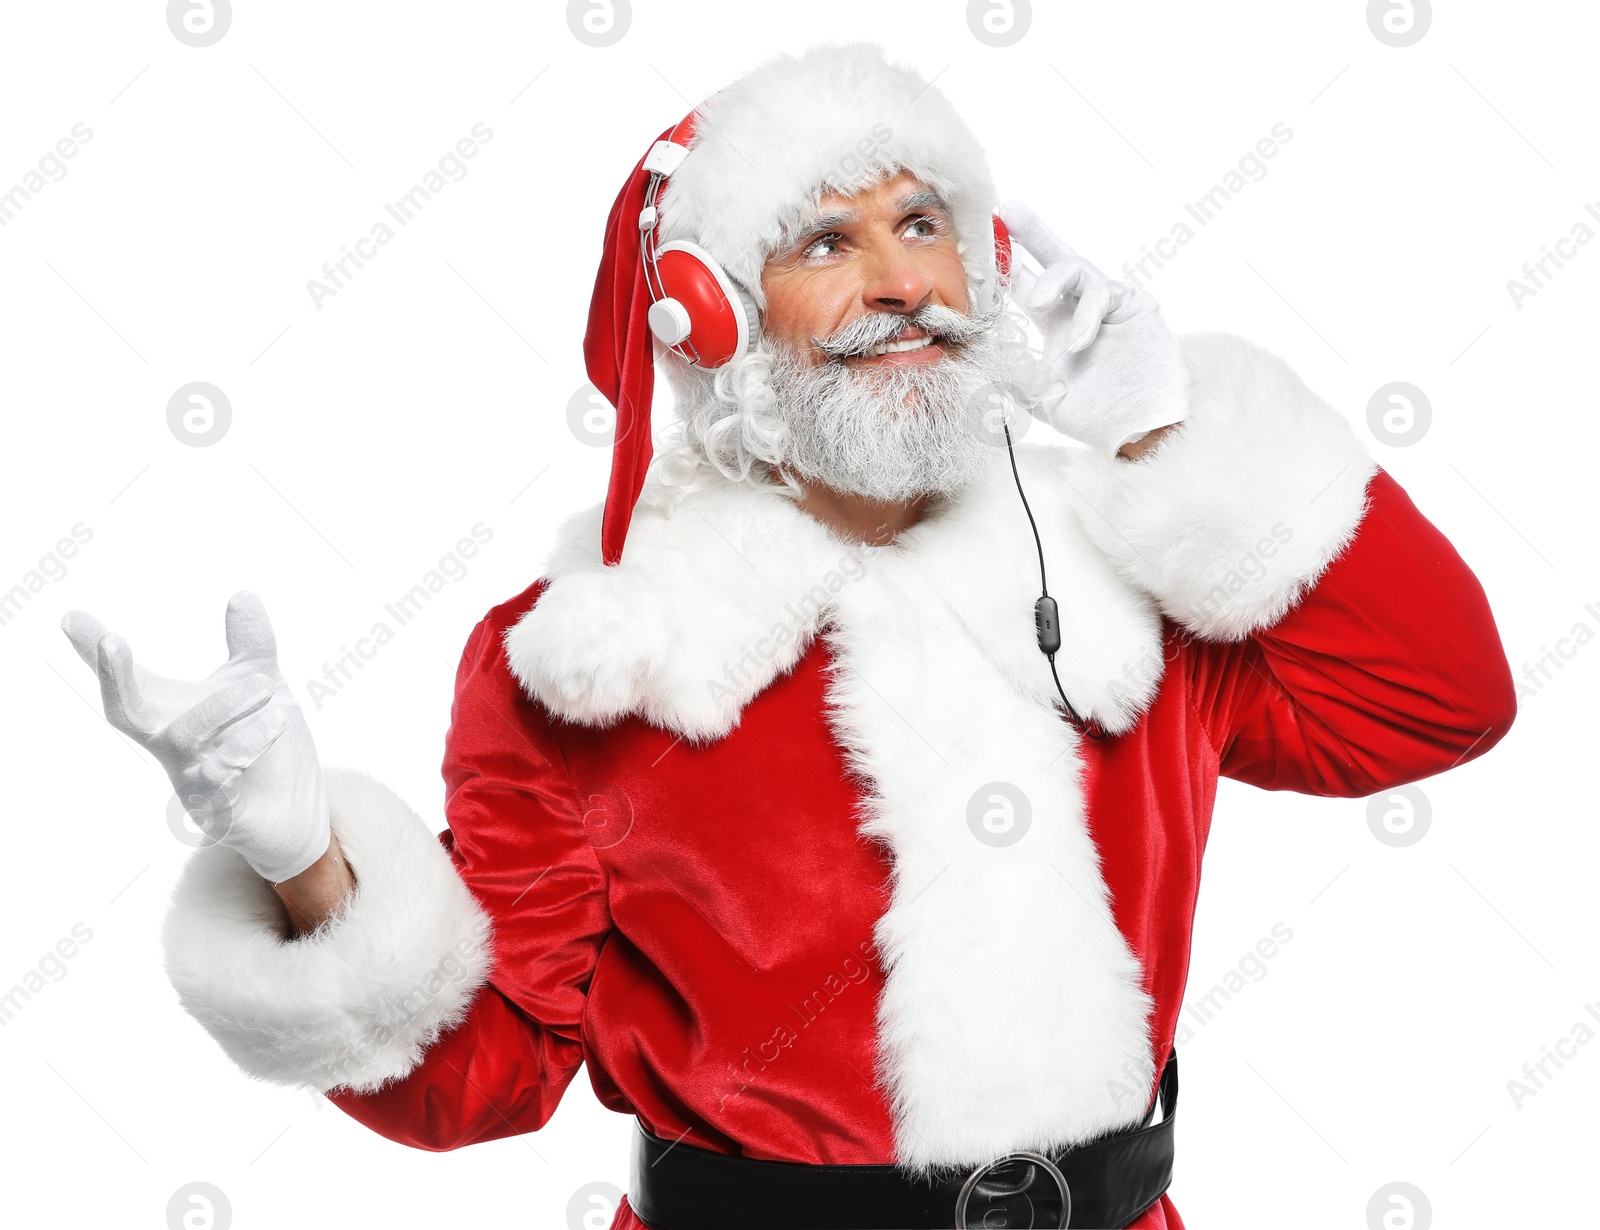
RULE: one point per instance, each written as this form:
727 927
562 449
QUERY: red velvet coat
690 856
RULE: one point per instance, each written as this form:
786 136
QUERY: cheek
951 279
802 306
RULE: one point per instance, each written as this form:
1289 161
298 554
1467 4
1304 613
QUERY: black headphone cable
1046 616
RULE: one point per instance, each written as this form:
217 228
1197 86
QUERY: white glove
235 745
1119 373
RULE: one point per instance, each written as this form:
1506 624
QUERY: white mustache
941 323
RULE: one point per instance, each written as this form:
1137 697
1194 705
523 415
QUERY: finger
1023 282
200 724
1091 311
244 743
85 632
250 637
1027 229
1126 302
1067 277
125 703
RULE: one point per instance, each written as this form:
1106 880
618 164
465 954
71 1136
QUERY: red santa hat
762 152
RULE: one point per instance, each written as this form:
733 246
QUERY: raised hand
1119 370
235 745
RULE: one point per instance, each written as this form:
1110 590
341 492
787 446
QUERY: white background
430 394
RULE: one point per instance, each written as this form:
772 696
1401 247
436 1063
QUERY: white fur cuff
1231 518
358 1001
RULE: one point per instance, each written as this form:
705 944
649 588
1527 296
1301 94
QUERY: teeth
900 347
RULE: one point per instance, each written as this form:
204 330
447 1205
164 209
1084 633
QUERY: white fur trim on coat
356 1002
1013 1014
838 117
1231 518
715 600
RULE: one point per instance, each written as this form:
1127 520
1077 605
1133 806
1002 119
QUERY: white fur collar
709 605
1013 1014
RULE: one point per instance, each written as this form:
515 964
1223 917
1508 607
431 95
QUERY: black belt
1101 1184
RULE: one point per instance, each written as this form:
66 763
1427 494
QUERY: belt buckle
1036 1159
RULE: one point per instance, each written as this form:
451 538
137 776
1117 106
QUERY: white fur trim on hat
1233 517
837 117
356 1002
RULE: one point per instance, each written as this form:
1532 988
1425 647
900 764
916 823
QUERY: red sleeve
1389 668
517 839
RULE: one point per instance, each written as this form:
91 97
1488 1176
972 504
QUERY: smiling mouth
905 347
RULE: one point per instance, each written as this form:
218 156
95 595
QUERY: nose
893 280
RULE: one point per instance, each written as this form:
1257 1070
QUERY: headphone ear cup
704 315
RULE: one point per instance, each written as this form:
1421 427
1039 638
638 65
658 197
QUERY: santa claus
838 793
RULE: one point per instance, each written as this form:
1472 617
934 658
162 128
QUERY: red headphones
696 309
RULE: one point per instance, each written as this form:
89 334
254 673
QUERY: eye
830 240
932 227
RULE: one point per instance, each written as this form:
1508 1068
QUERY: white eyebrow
924 198
792 236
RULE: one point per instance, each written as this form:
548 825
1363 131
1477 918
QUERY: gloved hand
1118 370
235 745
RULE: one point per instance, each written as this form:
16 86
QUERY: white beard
892 433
